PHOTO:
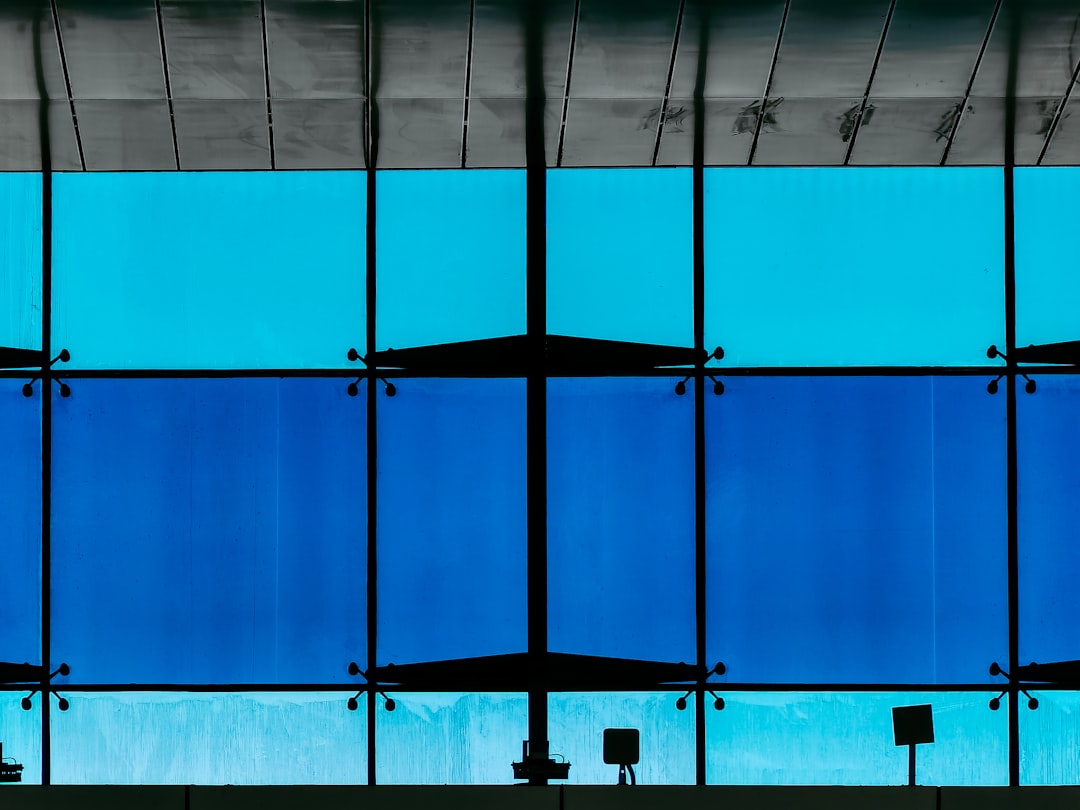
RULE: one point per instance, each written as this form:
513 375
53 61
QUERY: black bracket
354 701
995 703
354 386
718 386
718 702
992 386
62 702
65 391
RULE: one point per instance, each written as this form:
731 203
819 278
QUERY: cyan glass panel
209 531
20 260
451 256
452 520
209 269
20 517
854 266
450 738
1048 515
576 723
856 529
20 734
1048 739
829 738
620 255
167 738
1047 284
621 518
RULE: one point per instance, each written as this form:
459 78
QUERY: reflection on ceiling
324 84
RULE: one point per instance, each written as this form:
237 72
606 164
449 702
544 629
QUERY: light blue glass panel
451 256
1048 516
854 266
829 738
620 256
1047 275
1048 739
20 734
20 517
621 518
450 739
576 723
452 520
20 260
209 269
162 738
209 531
856 529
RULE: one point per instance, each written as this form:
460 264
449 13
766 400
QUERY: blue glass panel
450 739
576 724
20 517
1047 284
621 518
263 738
452 520
854 267
451 256
620 262
209 269
20 733
856 530
1048 515
209 531
20 260
1048 739
830 738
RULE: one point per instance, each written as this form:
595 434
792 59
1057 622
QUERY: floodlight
913 725
622 747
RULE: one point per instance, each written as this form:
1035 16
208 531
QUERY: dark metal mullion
468 85
67 83
168 81
569 78
971 83
870 82
768 85
667 84
266 80
1059 113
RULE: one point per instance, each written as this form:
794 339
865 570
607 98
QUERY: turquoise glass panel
450 256
209 269
450 738
856 529
209 531
169 738
621 518
854 266
1047 274
829 738
576 723
20 733
452 520
1048 739
20 260
620 257
20 519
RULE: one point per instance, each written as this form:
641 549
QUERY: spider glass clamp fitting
65 391
995 702
718 702
992 386
680 386
62 702
354 702
354 386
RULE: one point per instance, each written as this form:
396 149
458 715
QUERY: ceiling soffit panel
315 48
319 133
19 54
215 49
419 49
222 134
126 134
21 137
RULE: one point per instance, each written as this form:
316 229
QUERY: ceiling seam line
1059 113
468 84
870 83
768 85
971 83
168 82
566 87
667 84
266 79
67 83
